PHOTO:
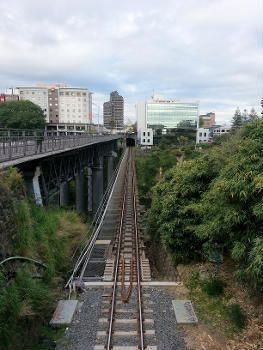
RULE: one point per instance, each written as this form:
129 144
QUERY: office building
113 111
4 97
207 120
165 114
60 103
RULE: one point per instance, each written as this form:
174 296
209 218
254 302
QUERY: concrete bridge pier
31 179
80 191
89 176
97 184
110 165
64 194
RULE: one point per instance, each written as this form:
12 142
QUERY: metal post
64 194
97 184
80 191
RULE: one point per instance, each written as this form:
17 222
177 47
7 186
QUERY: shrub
237 315
213 287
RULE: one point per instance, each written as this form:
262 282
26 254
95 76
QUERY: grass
211 304
26 303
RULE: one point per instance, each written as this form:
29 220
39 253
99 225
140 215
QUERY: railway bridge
49 163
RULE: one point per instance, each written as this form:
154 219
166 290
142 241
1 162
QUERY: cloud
206 50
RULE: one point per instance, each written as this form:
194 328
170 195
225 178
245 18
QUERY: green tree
21 115
237 120
201 122
253 114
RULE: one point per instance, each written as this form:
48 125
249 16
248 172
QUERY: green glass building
161 113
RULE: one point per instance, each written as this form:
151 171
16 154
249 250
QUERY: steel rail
116 270
90 244
138 270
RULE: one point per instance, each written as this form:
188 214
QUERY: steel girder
62 168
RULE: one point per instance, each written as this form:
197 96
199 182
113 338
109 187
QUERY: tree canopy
21 115
215 201
237 119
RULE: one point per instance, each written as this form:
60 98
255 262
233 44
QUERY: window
200 134
143 140
204 134
143 133
61 93
148 133
149 140
33 93
66 93
223 130
84 94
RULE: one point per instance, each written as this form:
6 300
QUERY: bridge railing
22 144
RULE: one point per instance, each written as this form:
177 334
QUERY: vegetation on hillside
214 202
28 291
21 115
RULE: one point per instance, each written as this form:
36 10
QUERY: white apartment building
60 103
37 95
221 130
146 137
202 135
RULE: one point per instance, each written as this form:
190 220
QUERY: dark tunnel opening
130 142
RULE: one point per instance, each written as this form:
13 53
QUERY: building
207 120
220 130
60 103
113 111
9 95
146 137
203 135
164 114
206 134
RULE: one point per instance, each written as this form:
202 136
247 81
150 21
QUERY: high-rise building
164 114
113 111
60 103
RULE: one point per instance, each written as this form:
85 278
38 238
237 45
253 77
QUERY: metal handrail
95 226
14 147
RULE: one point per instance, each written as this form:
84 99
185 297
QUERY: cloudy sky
191 50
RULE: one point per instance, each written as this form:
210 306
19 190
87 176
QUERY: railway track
126 321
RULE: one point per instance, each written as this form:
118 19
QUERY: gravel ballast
81 334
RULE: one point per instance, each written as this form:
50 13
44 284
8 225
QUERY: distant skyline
208 51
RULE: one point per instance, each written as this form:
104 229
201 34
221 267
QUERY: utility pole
98 116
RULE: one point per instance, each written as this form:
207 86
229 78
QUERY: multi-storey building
113 111
60 103
8 97
207 120
161 113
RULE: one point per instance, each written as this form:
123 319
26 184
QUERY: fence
22 143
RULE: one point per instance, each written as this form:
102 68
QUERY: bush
237 315
213 287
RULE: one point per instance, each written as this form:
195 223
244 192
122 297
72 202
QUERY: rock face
11 191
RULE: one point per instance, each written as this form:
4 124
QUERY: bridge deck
14 152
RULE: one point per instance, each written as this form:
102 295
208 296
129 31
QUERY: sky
208 51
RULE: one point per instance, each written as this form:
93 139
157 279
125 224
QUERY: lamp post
98 116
